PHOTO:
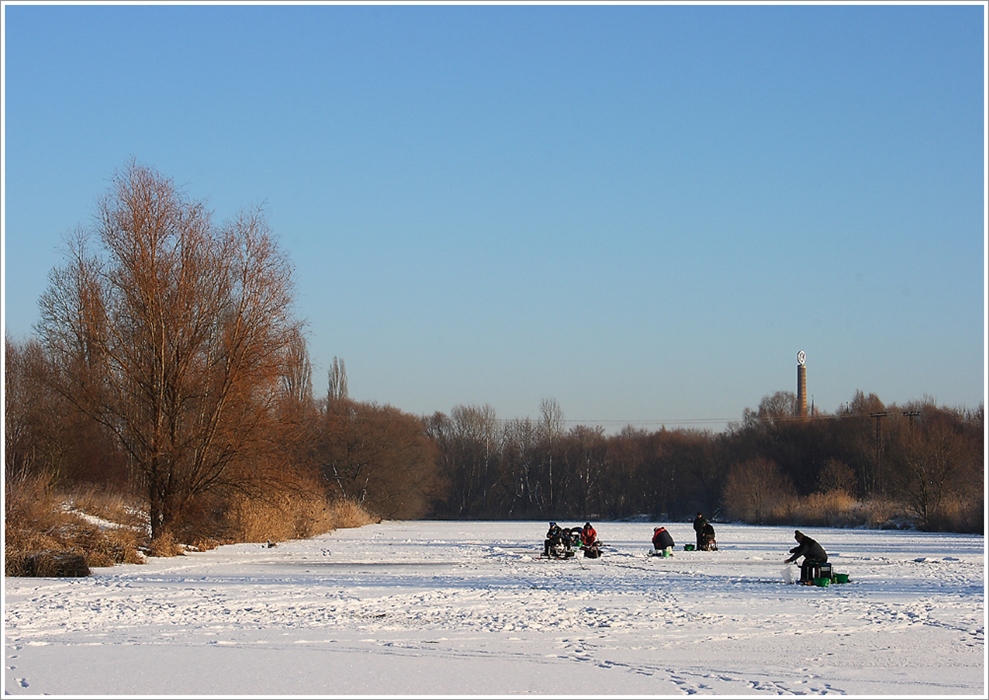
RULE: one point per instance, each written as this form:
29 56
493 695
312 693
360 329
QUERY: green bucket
841 578
688 548
822 582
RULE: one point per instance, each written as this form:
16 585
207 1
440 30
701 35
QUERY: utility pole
876 478
911 415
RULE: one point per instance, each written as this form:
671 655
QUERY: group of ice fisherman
559 544
662 540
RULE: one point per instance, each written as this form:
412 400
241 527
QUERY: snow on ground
458 608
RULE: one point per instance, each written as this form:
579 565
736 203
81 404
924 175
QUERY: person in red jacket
589 542
588 536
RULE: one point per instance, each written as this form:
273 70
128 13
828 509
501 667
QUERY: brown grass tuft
48 535
205 543
165 545
280 516
108 505
47 564
43 538
347 514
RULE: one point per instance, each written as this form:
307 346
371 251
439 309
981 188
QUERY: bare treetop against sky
642 212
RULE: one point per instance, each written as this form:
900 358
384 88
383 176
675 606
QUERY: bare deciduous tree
173 333
755 490
297 376
837 476
931 470
377 456
337 381
33 439
551 432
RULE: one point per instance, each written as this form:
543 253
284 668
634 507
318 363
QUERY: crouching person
662 540
813 554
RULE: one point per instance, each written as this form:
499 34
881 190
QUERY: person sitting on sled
810 550
708 540
588 536
555 537
589 542
662 540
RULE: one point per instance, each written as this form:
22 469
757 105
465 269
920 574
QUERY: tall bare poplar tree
173 333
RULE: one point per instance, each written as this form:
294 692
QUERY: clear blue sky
641 212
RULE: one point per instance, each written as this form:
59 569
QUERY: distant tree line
167 364
918 465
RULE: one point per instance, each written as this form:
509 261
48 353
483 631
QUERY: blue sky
640 212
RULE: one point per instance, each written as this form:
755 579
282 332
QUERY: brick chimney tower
802 384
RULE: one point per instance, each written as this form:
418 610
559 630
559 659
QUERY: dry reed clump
108 505
347 514
295 514
255 520
43 538
109 545
30 509
47 534
204 543
279 516
965 515
296 507
881 513
837 508
59 563
165 545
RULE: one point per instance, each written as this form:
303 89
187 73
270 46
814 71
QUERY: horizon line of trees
923 461
167 363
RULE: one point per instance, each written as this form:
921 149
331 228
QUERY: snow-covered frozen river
455 608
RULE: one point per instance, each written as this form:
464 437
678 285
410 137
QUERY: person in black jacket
699 523
662 541
708 540
810 550
555 536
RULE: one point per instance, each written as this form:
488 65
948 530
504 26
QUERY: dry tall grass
347 514
44 538
111 506
52 533
837 508
295 515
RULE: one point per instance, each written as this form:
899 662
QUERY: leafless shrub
831 509
756 491
377 455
